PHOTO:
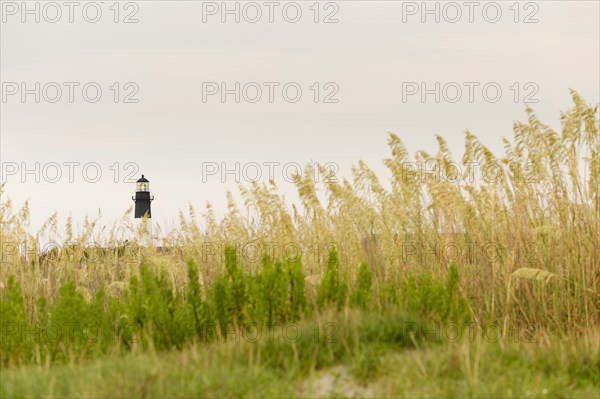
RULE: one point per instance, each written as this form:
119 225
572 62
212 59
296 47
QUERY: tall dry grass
531 236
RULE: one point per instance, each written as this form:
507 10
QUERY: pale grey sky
369 56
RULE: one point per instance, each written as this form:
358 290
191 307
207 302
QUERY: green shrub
277 293
436 299
195 317
235 286
228 296
152 306
297 292
13 348
333 289
151 311
361 295
76 327
269 296
219 307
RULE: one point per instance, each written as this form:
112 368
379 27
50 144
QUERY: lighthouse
142 198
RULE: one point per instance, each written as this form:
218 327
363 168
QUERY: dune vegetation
478 277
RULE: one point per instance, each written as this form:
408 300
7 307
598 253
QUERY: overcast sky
165 71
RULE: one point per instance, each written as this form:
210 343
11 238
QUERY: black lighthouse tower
142 198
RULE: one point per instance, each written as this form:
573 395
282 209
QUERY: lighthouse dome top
142 180
142 185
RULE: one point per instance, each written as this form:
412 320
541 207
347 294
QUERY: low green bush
151 313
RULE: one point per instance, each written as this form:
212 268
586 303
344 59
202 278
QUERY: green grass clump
384 363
